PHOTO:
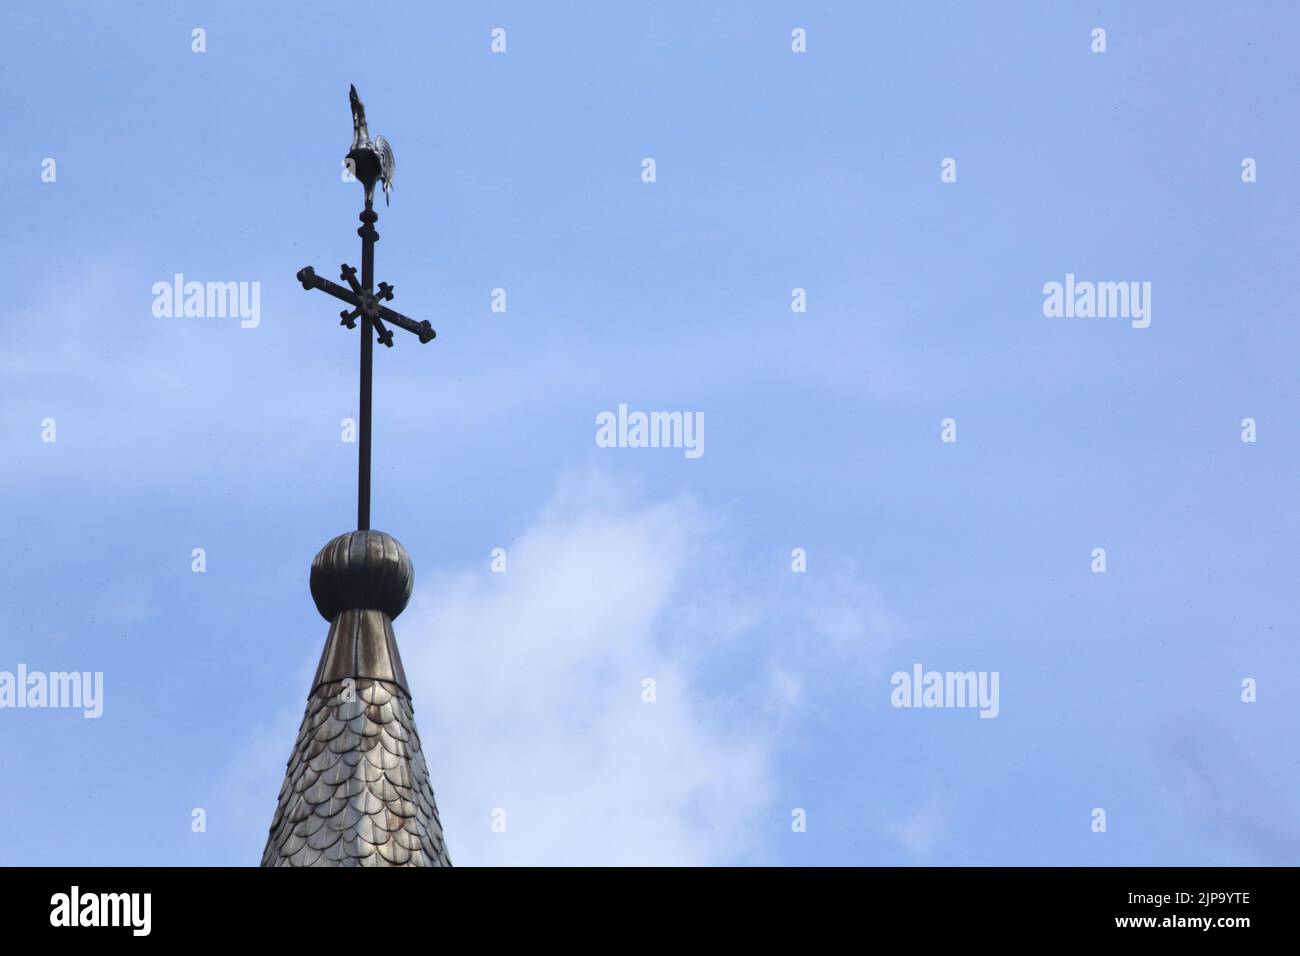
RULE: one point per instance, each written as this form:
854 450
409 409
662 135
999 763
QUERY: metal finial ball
361 569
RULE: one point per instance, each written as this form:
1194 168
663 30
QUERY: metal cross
366 305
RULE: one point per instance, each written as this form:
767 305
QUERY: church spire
356 790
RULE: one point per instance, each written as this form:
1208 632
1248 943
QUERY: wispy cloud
1225 799
920 832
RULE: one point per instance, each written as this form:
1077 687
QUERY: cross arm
422 329
310 280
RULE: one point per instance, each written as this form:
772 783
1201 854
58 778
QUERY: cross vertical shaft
368 239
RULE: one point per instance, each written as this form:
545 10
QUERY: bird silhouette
371 161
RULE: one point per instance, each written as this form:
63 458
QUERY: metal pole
368 238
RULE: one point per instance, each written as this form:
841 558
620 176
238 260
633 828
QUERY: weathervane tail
360 134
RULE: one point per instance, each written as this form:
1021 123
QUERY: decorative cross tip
349 275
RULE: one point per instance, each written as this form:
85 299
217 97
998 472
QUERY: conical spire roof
356 790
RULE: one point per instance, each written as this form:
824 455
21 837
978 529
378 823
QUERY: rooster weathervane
369 161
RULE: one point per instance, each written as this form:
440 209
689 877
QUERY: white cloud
528 692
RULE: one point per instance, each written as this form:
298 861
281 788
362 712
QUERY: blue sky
774 171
